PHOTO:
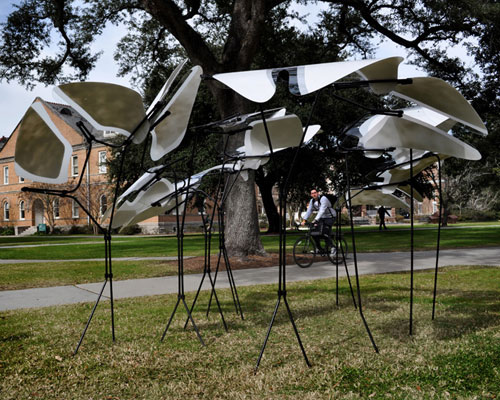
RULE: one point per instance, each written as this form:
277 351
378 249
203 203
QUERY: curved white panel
260 85
436 94
398 175
257 86
108 107
406 189
166 88
376 198
168 134
130 209
312 131
42 153
406 132
140 209
284 132
316 76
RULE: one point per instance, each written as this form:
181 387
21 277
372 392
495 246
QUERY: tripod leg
354 256
231 283
236 298
215 280
196 296
348 277
217 301
268 333
90 317
171 318
192 321
296 331
438 239
112 306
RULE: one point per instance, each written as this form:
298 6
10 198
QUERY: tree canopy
49 41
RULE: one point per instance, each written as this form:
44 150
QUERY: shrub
81 230
131 230
6 230
477 215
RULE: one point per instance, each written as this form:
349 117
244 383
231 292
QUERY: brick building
24 210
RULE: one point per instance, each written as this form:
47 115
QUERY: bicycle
305 251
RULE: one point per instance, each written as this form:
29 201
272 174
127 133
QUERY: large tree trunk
266 193
247 21
242 231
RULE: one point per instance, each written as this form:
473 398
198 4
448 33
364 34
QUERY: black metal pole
438 237
337 240
282 242
354 256
411 241
344 256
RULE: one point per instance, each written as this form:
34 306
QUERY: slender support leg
196 296
232 283
354 256
337 240
411 241
268 333
110 276
212 282
192 321
438 238
90 317
296 331
171 318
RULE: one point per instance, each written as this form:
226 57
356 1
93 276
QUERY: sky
15 99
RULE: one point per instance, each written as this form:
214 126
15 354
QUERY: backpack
332 198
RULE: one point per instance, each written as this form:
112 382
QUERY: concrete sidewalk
368 263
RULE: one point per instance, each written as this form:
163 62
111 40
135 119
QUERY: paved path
368 263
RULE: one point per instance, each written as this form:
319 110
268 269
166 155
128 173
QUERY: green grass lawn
23 276
456 356
367 240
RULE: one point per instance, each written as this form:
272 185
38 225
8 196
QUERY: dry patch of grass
456 356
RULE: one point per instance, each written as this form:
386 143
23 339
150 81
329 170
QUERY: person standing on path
381 215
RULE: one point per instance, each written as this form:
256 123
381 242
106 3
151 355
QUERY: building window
103 204
76 210
55 206
22 211
6 211
74 166
5 175
103 168
21 179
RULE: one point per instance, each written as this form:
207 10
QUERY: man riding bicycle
324 219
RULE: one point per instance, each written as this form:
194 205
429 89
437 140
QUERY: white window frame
102 162
6 175
21 179
6 211
22 210
74 164
54 208
75 210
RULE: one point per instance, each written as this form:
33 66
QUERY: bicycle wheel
304 252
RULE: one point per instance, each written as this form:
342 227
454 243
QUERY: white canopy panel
42 153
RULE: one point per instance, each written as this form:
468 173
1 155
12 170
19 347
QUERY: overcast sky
15 99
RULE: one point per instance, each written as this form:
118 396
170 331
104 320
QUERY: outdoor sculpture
411 137
422 129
